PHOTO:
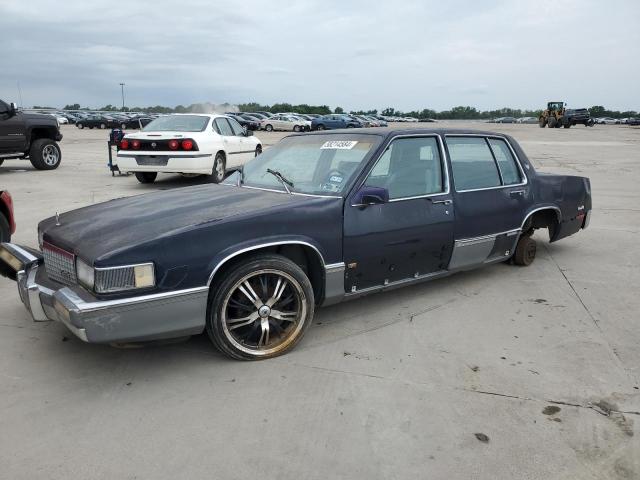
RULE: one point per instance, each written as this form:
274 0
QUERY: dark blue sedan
334 121
315 220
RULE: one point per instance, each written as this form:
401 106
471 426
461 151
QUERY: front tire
296 128
552 121
219 169
45 154
103 126
269 128
542 123
320 127
146 177
80 126
525 252
260 308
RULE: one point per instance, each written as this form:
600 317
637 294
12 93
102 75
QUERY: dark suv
29 135
329 122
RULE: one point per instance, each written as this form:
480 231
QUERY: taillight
173 144
124 144
135 144
187 144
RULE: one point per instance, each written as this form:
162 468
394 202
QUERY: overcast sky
356 54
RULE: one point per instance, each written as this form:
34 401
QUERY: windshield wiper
283 180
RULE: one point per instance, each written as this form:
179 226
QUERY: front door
12 130
410 235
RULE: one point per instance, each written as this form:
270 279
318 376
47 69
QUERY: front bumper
133 319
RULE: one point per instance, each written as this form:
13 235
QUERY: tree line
455 113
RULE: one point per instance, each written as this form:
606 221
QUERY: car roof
395 132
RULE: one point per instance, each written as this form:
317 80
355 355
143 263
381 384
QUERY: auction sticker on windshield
339 145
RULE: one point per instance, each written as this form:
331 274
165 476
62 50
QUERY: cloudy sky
356 54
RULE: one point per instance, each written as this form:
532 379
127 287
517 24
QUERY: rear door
491 196
232 144
246 147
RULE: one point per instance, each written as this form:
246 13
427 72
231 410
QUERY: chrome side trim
513 152
82 306
472 240
549 207
334 266
263 245
397 283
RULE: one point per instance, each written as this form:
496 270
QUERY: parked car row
617 121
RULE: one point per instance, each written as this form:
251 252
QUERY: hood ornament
57 219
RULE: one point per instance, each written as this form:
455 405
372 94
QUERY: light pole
122 90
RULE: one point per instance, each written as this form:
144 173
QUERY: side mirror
13 108
371 196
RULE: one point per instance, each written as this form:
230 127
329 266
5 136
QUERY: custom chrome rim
264 312
50 155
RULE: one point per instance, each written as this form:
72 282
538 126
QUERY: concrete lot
390 386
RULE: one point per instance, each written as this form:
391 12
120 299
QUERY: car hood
104 229
41 118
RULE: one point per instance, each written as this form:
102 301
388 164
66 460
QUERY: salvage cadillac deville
315 220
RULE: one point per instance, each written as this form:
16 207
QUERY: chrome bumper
142 318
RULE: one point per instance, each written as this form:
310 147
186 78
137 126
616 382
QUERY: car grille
59 264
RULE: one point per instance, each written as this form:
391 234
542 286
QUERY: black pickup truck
317 219
29 135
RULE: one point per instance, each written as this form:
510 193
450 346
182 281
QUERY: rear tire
320 127
45 154
146 177
5 231
270 318
525 251
103 126
552 122
296 128
80 126
123 126
269 127
542 122
219 169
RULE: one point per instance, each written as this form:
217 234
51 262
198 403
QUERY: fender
538 209
224 256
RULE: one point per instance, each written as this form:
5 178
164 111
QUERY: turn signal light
187 144
173 144
135 144
124 144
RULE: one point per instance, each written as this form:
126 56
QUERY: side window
223 127
215 128
238 131
409 167
506 162
472 163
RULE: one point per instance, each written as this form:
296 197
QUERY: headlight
129 277
85 274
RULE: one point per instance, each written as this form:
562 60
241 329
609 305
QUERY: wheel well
38 133
546 218
307 258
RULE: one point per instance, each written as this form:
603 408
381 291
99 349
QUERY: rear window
178 123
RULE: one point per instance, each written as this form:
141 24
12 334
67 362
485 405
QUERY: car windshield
314 164
178 123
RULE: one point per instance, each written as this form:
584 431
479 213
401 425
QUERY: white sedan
285 122
187 144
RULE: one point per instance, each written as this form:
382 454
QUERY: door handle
515 193
444 202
